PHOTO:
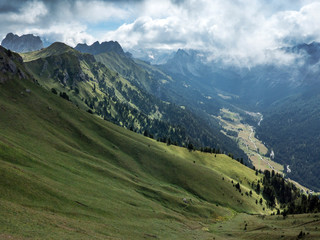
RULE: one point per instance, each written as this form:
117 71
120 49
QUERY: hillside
68 174
292 128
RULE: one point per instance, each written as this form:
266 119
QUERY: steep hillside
68 174
291 128
131 71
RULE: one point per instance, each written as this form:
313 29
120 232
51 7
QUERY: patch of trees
292 129
276 188
232 133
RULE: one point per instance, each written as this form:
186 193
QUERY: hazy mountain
24 43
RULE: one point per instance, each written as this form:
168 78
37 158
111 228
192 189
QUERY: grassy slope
127 68
43 64
67 174
56 48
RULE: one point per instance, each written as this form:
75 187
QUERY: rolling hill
78 175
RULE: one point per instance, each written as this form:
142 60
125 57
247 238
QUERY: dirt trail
256 148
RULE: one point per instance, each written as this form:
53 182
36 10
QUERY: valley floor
253 147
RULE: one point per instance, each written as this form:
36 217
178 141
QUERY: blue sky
235 30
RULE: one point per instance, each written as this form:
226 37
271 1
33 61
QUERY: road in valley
255 146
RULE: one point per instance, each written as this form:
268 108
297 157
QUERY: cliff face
10 65
24 43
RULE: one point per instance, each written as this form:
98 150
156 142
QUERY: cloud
242 32
64 20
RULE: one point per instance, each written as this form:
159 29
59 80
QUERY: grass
56 48
67 174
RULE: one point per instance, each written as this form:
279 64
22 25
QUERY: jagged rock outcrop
9 62
24 43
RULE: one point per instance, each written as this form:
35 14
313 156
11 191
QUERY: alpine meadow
159 120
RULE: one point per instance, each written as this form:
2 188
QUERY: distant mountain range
21 44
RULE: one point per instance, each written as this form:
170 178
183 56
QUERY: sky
238 31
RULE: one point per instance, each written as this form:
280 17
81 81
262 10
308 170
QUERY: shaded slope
68 174
291 128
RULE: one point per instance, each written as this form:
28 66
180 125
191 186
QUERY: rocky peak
24 43
9 65
97 48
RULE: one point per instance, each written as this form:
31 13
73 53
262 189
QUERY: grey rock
24 43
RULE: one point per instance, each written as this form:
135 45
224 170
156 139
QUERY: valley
68 174
244 135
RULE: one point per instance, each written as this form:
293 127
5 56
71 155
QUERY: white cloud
71 34
96 11
64 20
29 14
241 32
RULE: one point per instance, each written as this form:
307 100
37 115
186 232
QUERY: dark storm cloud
10 6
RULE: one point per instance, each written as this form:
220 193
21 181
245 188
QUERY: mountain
24 43
94 87
291 129
67 174
97 48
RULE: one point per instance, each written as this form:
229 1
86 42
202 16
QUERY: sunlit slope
67 174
